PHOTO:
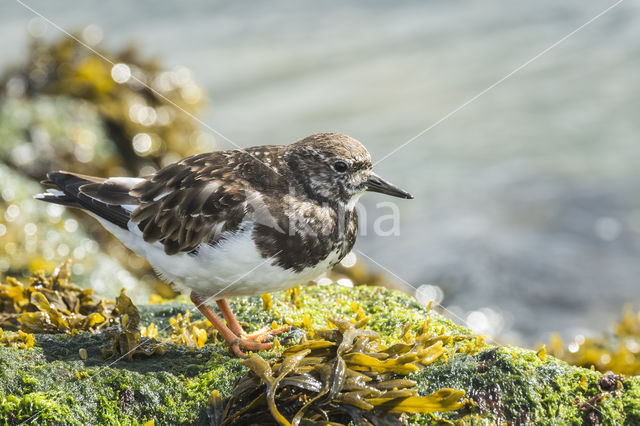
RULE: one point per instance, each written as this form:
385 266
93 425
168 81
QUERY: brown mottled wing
192 201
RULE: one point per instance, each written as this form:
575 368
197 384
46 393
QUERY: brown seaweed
51 305
338 376
124 338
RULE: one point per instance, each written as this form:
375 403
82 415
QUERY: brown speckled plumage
297 202
202 197
199 198
237 222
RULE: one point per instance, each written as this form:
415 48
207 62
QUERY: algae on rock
52 382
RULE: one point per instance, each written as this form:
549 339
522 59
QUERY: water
527 207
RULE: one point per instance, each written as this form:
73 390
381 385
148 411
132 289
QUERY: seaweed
125 338
51 305
18 340
338 375
617 351
185 385
189 333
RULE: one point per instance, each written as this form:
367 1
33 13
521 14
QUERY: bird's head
334 166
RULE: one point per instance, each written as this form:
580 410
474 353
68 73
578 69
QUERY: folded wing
180 206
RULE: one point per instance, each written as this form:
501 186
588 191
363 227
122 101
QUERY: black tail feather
95 199
61 199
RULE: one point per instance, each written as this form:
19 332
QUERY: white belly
234 267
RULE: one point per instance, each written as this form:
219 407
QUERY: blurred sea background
526 217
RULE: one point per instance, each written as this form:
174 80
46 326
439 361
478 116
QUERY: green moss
52 384
514 385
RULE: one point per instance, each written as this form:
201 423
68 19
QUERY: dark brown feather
202 192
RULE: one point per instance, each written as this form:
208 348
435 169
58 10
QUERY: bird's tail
107 198
56 182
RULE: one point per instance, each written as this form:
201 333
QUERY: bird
236 222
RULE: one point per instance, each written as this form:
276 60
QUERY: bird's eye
340 166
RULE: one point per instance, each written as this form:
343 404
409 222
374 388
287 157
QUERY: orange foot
265 334
232 332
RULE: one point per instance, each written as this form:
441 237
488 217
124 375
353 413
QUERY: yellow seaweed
189 333
542 353
20 340
342 367
432 353
441 400
51 305
151 331
267 303
617 351
362 362
124 338
313 344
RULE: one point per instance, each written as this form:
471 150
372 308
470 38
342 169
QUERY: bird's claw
256 341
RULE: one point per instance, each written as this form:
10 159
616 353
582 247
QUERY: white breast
233 267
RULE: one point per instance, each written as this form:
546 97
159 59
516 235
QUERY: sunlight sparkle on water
121 73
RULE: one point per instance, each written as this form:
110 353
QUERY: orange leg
234 341
233 324
231 320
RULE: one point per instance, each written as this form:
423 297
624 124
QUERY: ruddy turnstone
236 223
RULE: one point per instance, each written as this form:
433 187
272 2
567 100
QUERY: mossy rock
50 383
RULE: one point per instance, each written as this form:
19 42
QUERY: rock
146 112
46 133
51 383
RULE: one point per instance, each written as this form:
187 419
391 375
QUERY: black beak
377 184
